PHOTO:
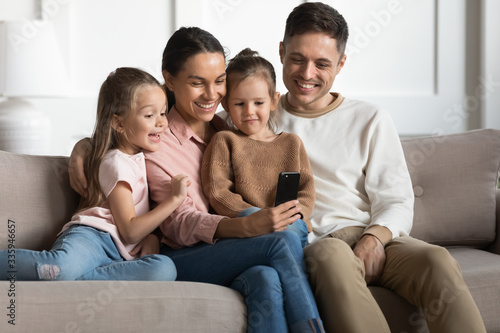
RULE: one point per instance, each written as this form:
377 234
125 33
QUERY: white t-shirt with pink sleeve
115 167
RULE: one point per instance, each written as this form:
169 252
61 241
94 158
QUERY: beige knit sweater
238 172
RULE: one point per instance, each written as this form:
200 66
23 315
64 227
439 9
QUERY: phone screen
288 187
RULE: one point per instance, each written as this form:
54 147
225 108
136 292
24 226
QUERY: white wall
420 59
491 63
432 64
98 36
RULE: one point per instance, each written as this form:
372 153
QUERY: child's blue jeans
83 253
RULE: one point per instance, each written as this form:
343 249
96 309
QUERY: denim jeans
266 270
84 253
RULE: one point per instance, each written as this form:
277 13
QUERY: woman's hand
76 172
149 245
262 222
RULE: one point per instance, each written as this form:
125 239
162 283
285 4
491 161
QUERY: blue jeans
266 270
299 226
84 253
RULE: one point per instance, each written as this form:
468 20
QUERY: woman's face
199 86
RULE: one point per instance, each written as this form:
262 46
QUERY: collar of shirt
183 132
338 99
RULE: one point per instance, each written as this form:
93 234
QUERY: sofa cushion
454 180
36 197
481 270
123 306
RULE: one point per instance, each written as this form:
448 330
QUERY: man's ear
117 124
282 51
275 101
341 63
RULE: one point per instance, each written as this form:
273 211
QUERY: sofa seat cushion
481 272
125 306
454 180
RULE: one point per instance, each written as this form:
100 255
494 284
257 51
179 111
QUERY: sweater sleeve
307 194
217 178
387 182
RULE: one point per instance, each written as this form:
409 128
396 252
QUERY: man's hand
371 251
76 172
149 245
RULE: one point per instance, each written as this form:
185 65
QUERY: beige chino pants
425 275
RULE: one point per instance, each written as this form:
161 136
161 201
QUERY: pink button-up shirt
181 151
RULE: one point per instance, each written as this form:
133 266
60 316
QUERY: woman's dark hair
246 64
317 17
183 44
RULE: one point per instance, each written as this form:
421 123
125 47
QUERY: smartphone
288 187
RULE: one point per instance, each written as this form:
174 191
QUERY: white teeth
205 106
306 86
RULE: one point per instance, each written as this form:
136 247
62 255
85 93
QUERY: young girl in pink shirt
100 242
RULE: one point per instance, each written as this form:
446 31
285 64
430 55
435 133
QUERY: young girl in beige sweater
240 168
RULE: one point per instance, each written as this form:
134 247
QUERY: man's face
310 65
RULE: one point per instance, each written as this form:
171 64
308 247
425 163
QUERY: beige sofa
457 205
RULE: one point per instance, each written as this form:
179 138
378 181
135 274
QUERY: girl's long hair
116 97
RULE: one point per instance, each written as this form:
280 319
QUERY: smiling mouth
305 85
205 106
155 137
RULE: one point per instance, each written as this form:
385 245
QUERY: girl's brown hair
116 97
246 64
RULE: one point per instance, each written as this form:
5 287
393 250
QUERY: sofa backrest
36 200
455 183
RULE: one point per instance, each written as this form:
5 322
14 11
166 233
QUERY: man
364 199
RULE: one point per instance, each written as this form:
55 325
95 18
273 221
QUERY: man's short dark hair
317 17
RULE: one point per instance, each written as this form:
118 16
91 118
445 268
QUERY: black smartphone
288 187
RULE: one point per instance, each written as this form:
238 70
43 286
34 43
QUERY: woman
243 253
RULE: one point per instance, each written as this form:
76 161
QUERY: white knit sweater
360 173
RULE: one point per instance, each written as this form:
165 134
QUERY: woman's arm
191 222
134 228
76 172
149 245
262 222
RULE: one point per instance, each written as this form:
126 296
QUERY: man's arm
389 188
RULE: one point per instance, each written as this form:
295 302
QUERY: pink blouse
181 151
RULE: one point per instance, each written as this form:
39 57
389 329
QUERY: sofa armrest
36 199
495 246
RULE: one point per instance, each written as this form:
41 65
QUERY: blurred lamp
33 67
